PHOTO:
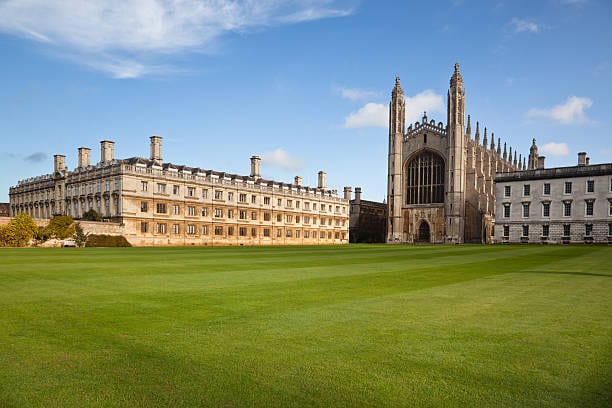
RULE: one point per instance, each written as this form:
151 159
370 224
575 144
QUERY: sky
304 84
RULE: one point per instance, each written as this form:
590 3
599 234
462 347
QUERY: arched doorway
423 232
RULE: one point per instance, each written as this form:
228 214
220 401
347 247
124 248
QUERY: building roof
556 172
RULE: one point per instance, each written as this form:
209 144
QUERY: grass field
417 326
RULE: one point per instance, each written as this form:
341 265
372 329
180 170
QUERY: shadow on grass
605 275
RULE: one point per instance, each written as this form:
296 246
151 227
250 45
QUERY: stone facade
440 185
557 205
368 219
161 203
4 209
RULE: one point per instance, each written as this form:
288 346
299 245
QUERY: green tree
61 227
19 231
80 236
91 215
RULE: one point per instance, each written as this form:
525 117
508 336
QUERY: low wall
91 227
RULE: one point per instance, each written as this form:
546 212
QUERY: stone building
368 219
441 177
160 203
4 209
557 205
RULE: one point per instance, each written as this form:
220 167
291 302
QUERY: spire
456 78
424 116
520 162
514 162
468 131
477 136
499 146
505 152
397 89
510 155
485 140
493 142
524 166
533 156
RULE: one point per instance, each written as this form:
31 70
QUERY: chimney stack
582 159
357 195
59 163
347 193
107 151
156 148
322 175
297 181
255 165
84 156
541 162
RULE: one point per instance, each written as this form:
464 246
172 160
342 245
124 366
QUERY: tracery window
425 179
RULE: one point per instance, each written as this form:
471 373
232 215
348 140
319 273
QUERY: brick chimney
156 148
84 156
107 151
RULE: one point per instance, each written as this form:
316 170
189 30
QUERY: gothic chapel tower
397 113
456 158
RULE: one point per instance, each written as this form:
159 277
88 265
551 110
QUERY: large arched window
425 179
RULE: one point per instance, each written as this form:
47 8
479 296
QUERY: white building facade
557 205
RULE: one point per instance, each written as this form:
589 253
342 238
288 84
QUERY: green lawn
355 326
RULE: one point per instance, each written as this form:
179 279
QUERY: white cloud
571 112
426 101
377 114
370 115
522 25
280 158
355 94
555 149
123 36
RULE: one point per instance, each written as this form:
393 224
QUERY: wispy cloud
523 25
280 158
570 112
355 94
36 157
377 114
555 149
125 38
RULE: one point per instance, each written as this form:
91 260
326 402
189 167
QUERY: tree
19 231
61 227
91 215
80 236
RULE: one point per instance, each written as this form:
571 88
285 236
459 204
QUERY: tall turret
455 191
468 130
485 139
477 137
533 156
397 121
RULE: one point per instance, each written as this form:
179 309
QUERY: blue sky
304 84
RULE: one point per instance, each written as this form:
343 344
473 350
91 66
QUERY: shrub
91 215
61 227
43 234
18 232
99 240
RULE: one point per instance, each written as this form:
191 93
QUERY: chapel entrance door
424 232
